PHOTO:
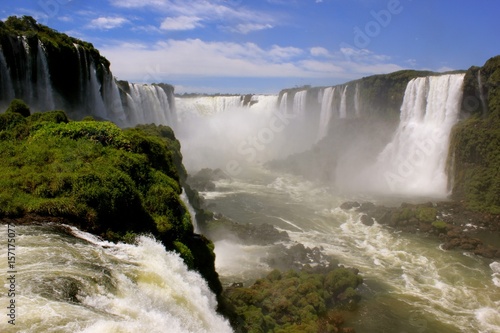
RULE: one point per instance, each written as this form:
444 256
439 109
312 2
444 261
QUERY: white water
357 102
299 103
414 162
482 97
44 86
343 104
191 211
411 285
207 105
69 284
149 104
6 88
326 112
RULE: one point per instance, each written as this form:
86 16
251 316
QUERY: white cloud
180 23
65 18
278 52
106 23
319 52
238 17
197 58
245 28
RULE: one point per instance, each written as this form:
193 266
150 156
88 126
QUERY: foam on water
87 285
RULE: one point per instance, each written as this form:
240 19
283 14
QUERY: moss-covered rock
474 155
112 182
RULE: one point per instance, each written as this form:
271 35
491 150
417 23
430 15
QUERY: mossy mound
112 182
306 301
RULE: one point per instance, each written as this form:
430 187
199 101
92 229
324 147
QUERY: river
411 284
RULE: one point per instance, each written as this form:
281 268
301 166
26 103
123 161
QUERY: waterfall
191 211
326 112
414 161
43 84
84 284
357 102
149 104
26 84
6 88
299 103
284 103
343 104
484 104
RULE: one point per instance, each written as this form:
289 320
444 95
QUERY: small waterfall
191 211
299 103
343 104
357 102
6 88
326 112
112 100
284 103
484 104
28 73
95 103
414 161
43 83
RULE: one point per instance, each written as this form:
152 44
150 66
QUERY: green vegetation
296 301
474 150
440 225
112 182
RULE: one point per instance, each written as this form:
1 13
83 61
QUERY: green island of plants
306 301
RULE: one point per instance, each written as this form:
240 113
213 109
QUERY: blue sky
262 46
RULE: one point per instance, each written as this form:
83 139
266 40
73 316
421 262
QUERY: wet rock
366 220
349 205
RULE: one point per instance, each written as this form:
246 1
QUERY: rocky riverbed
449 222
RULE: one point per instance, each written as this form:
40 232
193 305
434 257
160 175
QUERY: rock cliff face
474 155
50 70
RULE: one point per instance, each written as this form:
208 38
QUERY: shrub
18 106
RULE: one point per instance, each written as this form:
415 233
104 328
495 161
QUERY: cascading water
149 104
357 102
43 85
100 97
207 105
326 112
191 211
343 104
6 88
26 83
283 106
70 281
299 103
414 161
484 104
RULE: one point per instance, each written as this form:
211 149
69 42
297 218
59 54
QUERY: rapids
411 284
70 281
